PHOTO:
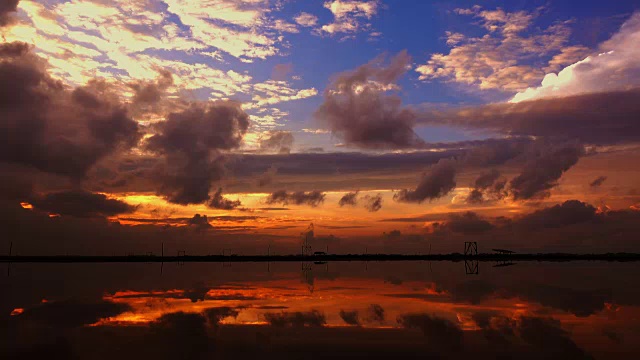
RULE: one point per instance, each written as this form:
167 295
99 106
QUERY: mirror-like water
310 310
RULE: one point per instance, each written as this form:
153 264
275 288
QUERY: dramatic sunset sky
392 126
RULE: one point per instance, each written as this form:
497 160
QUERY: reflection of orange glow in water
17 311
330 297
26 205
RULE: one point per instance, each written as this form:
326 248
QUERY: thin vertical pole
10 248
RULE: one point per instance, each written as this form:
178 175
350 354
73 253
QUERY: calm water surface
293 310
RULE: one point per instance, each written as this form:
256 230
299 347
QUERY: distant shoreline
553 257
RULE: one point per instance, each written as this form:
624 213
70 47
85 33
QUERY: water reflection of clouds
581 309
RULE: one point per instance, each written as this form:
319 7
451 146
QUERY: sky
389 126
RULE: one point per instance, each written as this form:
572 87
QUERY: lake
410 309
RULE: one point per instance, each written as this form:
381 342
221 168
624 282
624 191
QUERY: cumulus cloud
373 203
613 67
191 141
501 58
350 199
218 201
267 177
7 9
52 128
541 174
488 185
306 19
81 204
468 223
596 118
568 213
436 183
311 198
358 109
278 141
350 16
199 221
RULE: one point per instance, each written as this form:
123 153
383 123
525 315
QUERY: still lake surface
528 310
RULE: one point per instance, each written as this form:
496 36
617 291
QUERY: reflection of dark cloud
217 314
72 313
350 317
313 318
439 331
376 313
548 337
177 335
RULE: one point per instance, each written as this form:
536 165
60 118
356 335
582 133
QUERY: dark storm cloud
313 318
47 126
72 313
350 199
81 204
358 108
542 173
595 118
598 181
488 186
350 317
311 198
439 331
278 141
373 203
438 182
199 221
487 179
568 213
190 142
252 165
468 223
147 94
7 10
217 201
267 177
